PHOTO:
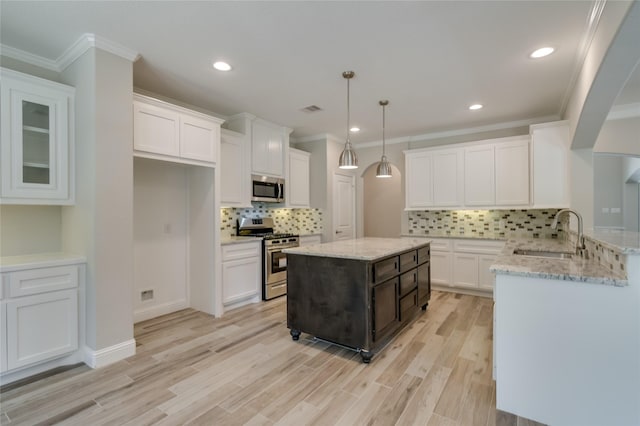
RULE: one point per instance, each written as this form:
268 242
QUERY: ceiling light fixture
475 107
384 168
222 66
355 129
542 52
348 159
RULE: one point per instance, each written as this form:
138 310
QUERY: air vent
311 108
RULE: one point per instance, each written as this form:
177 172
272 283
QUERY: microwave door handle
280 194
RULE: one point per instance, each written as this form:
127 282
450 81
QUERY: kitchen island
357 293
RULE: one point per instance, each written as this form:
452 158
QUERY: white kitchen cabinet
309 240
459 264
434 178
171 133
550 165
234 170
40 313
298 181
512 172
36 140
267 149
479 176
241 273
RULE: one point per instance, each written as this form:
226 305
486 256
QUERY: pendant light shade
348 158
384 167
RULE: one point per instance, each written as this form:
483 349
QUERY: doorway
344 207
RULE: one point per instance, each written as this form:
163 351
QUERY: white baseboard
106 356
471 292
157 310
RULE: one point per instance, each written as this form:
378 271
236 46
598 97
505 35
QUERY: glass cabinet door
36 141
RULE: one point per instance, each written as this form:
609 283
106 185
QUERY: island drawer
408 305
408 260
385 269
408 282
423 254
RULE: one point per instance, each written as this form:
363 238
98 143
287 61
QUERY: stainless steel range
274 271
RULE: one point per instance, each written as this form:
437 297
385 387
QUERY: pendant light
384 168
348 159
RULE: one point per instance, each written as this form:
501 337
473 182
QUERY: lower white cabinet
463 263
39 314
241 273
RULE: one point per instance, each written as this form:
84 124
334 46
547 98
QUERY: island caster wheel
295 334
424 307
366 356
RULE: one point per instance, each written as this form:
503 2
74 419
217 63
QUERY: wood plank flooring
244 369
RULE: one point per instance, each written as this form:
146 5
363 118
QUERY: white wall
160 237
608 191
619 137
100 224
30 229
582 185
383 203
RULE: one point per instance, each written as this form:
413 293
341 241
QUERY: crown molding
29 58
619 112
460 132
77 49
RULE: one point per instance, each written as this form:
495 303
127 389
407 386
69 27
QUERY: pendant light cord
383 144
348 114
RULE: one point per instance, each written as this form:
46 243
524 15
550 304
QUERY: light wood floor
244 369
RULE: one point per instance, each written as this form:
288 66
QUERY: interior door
344 207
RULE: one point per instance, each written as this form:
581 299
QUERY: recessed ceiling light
542 52
355 129
222 66
475 106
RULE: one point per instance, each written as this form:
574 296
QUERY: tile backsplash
296 221
531 223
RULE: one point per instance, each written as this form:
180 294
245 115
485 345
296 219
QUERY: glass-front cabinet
37 149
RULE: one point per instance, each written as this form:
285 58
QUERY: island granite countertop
575 269
359 249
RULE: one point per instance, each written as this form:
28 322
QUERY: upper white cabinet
267 149
479 177
298 181
433 178
512 172
550 164
234 170
167 132
37 144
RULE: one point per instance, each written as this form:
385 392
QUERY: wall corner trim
109 355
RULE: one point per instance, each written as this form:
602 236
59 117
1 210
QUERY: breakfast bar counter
357 293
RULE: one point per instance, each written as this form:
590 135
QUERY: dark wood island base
360 303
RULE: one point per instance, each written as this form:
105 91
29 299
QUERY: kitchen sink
543 253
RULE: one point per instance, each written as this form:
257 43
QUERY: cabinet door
198 139
486 278
424 284
36 141
155 129
267 149
419 183
465 270
234 174
479 184
41 327
512 173
385 308
298 181
447 177
441 268
241 279
550 165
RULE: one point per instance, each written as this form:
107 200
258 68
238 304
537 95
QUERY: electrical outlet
605 210
615 209
146 295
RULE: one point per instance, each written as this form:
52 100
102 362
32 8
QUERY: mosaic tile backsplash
296 221
487 223
611 259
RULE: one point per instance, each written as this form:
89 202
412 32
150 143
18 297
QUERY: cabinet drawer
423 255
41 280
240 251
408 260
441 245
408 304
480 247
385 269
408 282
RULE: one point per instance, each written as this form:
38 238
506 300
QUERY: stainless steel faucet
580 247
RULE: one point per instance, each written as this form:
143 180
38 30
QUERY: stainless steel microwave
267 189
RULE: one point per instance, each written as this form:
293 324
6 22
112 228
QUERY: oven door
276 265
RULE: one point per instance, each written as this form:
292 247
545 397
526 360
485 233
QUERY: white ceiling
431 59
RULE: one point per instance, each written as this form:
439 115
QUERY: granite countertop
360 248
626 242
461 237
238 240
40 260
575 269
